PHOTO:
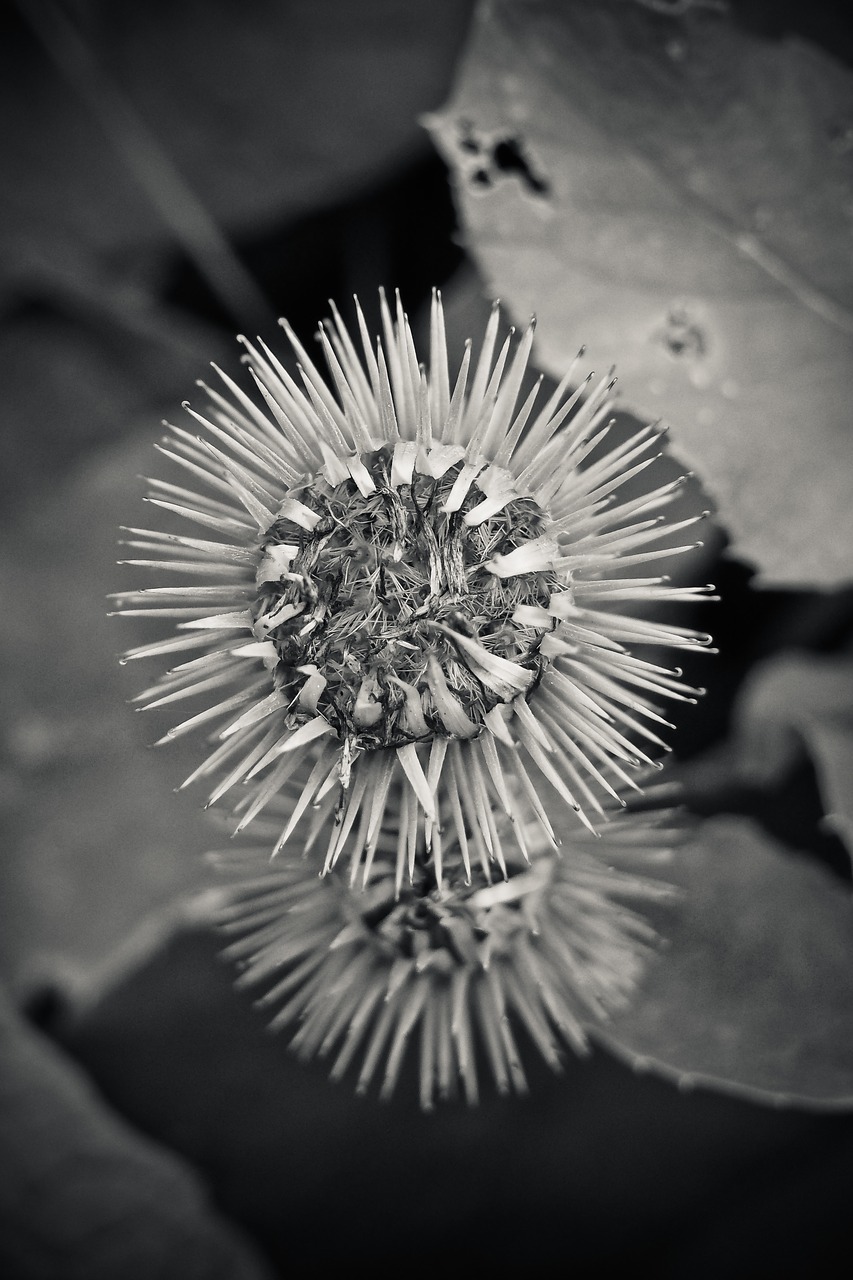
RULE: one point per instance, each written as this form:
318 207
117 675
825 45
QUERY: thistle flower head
459 977
416 583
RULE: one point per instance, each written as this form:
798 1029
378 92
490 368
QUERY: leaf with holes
678 195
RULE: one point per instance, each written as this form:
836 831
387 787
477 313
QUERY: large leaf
754 993
677 195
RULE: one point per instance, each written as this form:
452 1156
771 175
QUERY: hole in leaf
509 158
682 337
503 156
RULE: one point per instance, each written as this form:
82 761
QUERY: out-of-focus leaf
754 992
677 194
79 374
266 111
82 1195
831 743
789 706
98 853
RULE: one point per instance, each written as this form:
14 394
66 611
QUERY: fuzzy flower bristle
414 582
454 975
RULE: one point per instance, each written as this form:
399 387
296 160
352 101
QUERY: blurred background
175 173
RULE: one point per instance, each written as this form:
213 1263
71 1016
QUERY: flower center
470 920
382 609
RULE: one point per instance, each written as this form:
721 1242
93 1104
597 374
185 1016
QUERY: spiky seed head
417 584
456 978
